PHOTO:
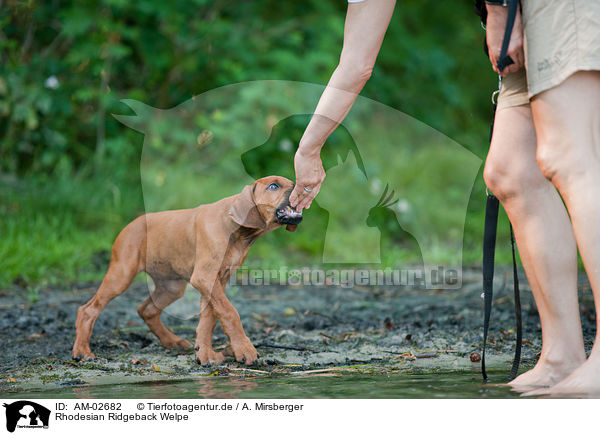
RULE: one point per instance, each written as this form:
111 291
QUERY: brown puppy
202 246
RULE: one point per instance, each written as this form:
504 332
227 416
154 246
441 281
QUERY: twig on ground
281 346
308 312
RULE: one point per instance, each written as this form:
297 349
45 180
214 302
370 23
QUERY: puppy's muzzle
287 215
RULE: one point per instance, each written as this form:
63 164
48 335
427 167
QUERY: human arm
366 24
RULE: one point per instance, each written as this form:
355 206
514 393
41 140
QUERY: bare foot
583 382
545 374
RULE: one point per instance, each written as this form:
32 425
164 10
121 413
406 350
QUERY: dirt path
295 329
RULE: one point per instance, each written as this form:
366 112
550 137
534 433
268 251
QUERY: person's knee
548 162
561 160
508 181
566 125
498 181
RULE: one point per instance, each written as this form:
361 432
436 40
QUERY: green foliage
63 73
60 229
70 171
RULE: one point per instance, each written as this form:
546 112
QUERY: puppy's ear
244 211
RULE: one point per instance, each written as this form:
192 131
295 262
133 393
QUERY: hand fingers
296 195
520 56
300 197
513 67
307 200
494 62
507 69
315 192
517 55
304 202
510 69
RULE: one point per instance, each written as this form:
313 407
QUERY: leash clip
495 97
497 92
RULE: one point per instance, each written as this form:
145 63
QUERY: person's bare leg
567 122
545 240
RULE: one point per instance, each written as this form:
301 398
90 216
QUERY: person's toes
537 392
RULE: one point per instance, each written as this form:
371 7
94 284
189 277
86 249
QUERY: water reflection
404 385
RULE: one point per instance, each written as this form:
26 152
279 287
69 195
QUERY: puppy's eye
273 186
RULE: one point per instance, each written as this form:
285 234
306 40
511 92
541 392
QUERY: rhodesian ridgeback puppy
202 246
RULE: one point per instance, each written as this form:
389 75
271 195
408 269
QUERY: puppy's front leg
214 293
204 350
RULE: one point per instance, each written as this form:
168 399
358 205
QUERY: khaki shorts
561 38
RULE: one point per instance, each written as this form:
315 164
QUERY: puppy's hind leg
117 279
165 293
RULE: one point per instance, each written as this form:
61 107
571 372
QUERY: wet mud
307 330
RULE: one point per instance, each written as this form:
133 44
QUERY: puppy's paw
245 352
207 356
83 355
178 343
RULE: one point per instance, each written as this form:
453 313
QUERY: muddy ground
296 329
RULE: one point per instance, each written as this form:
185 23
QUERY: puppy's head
265 205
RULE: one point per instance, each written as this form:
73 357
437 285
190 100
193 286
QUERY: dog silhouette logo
26 414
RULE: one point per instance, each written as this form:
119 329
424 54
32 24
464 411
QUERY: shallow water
325 385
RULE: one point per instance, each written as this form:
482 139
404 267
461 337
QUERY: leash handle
504 60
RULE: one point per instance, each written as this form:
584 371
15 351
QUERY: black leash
504 60
491 225
489 250
519 324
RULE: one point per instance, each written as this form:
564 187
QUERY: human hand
495 26
309 174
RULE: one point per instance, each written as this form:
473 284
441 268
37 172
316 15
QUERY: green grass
55 231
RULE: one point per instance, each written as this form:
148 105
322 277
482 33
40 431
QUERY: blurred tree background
69 172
